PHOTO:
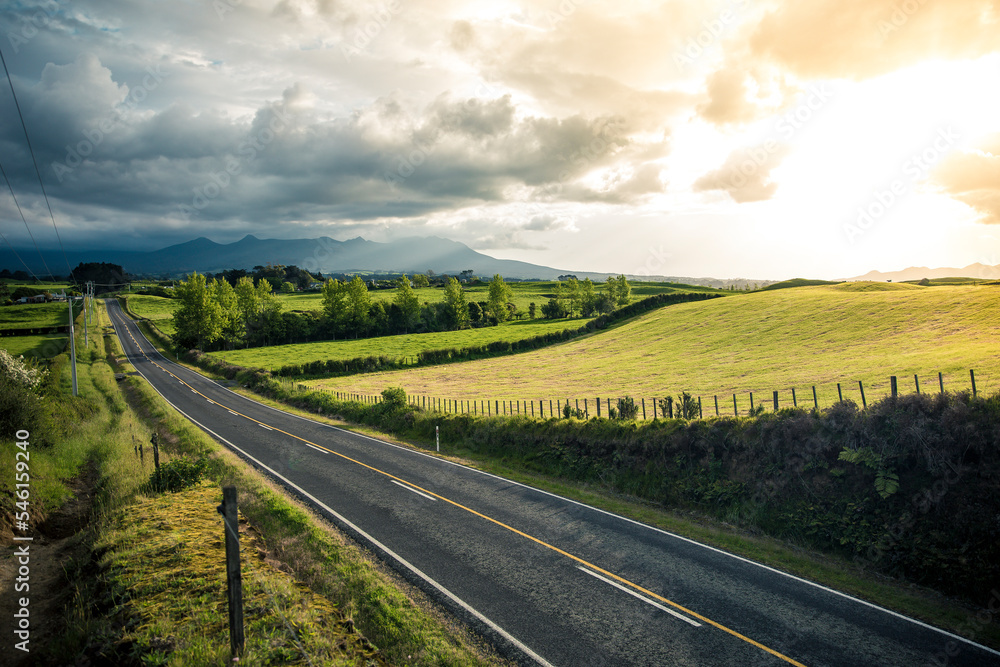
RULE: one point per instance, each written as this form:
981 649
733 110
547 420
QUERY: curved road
550 581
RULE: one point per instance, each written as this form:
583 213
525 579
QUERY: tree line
217 314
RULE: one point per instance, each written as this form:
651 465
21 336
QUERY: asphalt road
550 581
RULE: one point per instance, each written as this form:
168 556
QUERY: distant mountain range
977 271
408 255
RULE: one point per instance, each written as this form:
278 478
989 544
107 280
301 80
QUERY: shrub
178 474
394 397
627 409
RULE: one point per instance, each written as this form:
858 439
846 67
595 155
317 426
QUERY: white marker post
437 437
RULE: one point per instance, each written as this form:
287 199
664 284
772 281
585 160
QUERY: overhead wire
34 161
30 235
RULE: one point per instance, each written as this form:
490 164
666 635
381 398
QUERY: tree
333 293
499 294
357 303
573 296
287 287
475 312
198 320
619 291
532 310
233 330
408 303
588 298
420 280
457 309
554 309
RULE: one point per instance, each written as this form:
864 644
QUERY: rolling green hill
757 342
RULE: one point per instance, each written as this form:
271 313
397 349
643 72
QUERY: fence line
660 406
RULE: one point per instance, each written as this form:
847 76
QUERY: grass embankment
145 585
760 342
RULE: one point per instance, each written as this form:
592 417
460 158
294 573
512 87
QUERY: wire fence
683 405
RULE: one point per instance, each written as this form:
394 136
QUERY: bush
394 397
627 409
178 474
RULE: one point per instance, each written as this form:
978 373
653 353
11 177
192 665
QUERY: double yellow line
556 549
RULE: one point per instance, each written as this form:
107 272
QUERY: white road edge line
392 554
410 488
644 599
845 596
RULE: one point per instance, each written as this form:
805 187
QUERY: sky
740 138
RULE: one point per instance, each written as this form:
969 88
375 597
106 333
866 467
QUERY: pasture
403 345
758 342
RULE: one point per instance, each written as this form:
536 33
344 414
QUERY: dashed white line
234 413
322 451
644 599
410 488
267 427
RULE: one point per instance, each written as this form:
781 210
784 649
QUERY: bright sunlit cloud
733 139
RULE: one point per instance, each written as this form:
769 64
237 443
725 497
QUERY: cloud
746 173
865 38
973 178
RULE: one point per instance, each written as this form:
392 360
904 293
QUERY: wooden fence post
586 410
795 402
972 374
840 394
941 381
598 406
736 411
699 408
234 578
716 405
751 401
644 409
775 401
916 381
864 403
156 456
892 386
815 399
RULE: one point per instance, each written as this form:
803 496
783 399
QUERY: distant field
524 294
45 346
155 308
756 342
407 345
26 315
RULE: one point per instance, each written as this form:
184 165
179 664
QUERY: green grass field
26 315
23 316
156 309
757 342
408 345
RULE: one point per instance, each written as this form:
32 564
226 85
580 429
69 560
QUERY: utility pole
86 336
72 344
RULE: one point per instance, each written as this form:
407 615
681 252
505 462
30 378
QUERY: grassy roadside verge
836 572
145 583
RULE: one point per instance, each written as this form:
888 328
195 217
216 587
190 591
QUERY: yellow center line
508 527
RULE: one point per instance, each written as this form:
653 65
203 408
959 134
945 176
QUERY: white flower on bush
19 371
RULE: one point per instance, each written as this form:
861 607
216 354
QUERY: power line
35 162
32 236
19 258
